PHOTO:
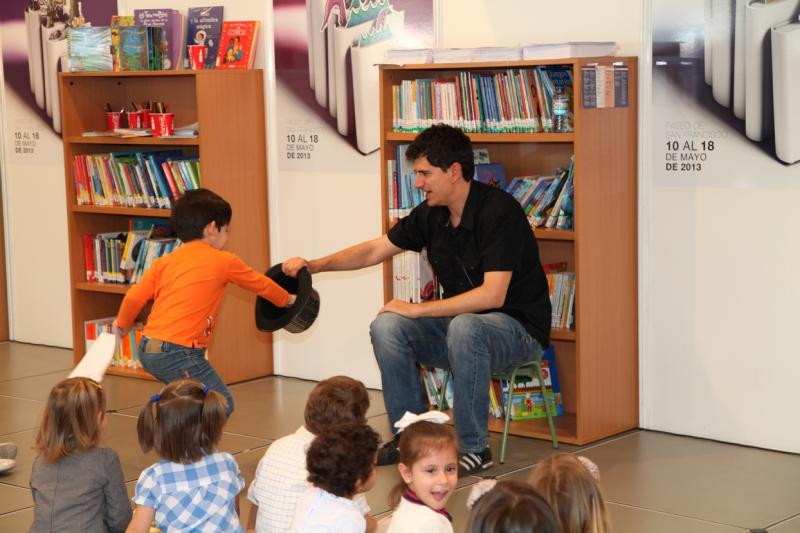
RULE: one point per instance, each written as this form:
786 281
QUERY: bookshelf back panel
527 159
84 98
557 252
90 306
566 364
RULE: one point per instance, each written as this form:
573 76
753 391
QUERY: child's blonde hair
71 419
183 422
419 440
573 492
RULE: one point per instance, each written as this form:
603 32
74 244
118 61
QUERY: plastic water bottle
561 122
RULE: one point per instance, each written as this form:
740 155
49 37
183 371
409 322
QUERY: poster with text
726 74
326 56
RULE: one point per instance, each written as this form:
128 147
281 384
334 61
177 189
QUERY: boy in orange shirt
187 286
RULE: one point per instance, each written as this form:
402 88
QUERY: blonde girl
193 487
429 470
571 486
76 485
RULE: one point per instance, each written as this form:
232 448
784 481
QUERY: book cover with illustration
117 22
493 174
133 53
204 25
172 24
238 43
526 397
89 49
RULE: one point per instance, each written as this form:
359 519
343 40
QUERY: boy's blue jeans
472 346
180 362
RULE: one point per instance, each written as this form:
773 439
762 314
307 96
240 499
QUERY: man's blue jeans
472 346
180 362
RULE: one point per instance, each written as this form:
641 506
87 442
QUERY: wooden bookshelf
229 108
597 361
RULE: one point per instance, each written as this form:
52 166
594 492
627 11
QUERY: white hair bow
437 417
478 490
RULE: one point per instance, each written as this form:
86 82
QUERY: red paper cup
113 120
162 124
197 56
135 119
145 118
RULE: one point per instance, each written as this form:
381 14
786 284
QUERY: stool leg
507 407
443 391
547 407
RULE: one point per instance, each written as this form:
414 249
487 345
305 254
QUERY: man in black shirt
496 309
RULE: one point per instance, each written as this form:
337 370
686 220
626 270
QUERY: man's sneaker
8 450
472 463
389 454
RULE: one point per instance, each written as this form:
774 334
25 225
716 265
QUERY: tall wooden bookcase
229 108
597 360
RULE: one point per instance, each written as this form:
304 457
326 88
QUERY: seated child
429 470
193 487
76 486
186 287
281 477
341 464
570 485
510 507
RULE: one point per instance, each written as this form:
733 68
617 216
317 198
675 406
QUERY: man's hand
293 265
402 308
118 331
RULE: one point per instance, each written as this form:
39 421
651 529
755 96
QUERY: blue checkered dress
195 497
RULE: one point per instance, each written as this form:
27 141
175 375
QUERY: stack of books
126 354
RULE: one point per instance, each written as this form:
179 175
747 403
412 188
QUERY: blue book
493 174
204 26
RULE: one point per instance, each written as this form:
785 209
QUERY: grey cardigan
84 491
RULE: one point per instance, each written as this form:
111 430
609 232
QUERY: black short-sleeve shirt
494 235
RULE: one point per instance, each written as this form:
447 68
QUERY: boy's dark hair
444 145
183 422
195 210
335 401
341 457
512 507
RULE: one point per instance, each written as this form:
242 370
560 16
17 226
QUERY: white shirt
281 480
319 511
411 517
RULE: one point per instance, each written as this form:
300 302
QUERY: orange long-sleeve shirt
187 286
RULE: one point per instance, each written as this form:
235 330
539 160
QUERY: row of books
126 354
158 39
134 179
509 101
413 279
403 196
561 285
527 400
124 256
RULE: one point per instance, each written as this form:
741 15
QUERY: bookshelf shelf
130 373
495 137
134 141
232 164
597 362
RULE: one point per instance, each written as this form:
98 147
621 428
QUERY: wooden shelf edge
566 428
140 141
130 373
122 211
128 73
546 234
111 288
560 334
496 137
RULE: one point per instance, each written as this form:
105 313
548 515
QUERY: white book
97 359
759 19
573 49
722 25
408 56
738 59
785 84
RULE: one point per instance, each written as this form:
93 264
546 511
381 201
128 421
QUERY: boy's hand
118 331
292 299
293 265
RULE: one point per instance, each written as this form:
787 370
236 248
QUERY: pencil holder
162 124
113 120
135 119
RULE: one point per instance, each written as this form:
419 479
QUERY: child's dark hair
335 401
338 459
419 440
183 422
195 210
70 420
512 507
444 145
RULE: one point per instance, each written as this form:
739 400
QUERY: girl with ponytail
193 487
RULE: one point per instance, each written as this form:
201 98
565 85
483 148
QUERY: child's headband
437 417
156 397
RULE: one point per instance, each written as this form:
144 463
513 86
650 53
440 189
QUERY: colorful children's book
237 47
118 21
133 51
493 174
204 25
89 49
171 22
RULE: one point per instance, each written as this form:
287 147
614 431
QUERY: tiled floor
654 482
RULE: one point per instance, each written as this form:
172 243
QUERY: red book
237 44
88 256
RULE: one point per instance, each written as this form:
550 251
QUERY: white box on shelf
785 86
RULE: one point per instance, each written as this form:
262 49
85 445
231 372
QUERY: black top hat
300 315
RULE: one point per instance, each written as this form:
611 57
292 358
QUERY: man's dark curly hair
444 145
341 457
